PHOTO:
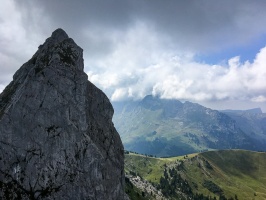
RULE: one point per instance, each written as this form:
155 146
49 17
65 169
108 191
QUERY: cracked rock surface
57 139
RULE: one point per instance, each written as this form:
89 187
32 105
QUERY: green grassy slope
150 168
236 172
233 172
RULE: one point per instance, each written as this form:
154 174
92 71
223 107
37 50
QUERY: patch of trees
212 187
172 183
132 173
208 165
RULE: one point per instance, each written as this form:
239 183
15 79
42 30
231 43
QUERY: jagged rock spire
57 139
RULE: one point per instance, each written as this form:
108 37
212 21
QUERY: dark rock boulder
57 139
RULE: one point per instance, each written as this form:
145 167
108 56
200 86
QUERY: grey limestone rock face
57 138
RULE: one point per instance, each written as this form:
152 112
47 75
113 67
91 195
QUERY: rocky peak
57 139
59 35
57 50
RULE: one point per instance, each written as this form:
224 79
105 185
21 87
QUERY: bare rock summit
57 138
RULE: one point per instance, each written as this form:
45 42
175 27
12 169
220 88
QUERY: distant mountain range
164 127
252 122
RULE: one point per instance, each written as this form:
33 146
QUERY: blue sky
246 51
187 50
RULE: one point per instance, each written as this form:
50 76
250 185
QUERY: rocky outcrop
57 139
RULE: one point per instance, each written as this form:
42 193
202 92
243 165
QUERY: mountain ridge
222 174
166 127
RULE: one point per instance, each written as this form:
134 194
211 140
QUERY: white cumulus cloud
180 76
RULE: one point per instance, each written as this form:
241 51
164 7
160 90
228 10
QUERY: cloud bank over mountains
135 48
183 78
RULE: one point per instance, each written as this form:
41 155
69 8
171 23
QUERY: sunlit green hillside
231 174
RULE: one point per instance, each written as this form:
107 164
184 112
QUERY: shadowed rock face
57 139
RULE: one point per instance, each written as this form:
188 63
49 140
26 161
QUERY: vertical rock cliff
57 139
